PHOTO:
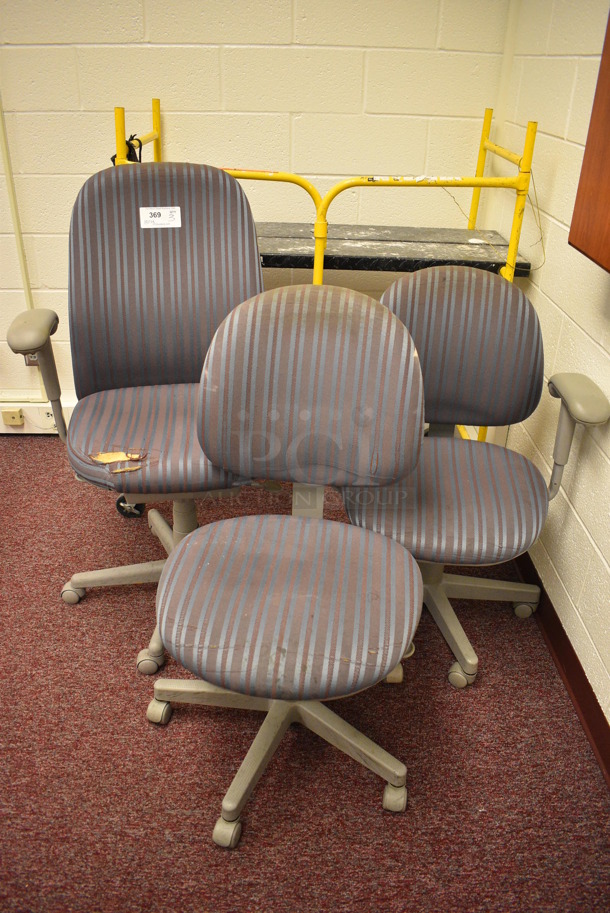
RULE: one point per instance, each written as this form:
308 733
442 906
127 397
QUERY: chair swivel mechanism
159 255
468 502
284 613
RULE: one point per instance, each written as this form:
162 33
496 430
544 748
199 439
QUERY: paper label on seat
160 217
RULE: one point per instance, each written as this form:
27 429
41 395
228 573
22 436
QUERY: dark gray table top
383 248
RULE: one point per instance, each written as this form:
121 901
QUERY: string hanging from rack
134 153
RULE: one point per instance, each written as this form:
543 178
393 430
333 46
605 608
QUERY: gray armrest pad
31 330
583 399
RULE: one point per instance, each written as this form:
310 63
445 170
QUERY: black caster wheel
129 510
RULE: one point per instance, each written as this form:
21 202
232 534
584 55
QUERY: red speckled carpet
102 811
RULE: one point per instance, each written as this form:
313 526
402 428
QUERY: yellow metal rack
519 182
154 136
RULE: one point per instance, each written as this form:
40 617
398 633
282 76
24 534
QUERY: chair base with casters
462 482
314 715
274 615
184 521
397 674
440 587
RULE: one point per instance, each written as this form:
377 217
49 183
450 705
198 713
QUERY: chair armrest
30 334
582 402
31 330
583 399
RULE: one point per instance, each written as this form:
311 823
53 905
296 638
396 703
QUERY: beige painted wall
332 89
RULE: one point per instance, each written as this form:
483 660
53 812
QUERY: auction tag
160 217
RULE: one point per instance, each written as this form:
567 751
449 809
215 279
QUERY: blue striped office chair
281 613
468 502
159 254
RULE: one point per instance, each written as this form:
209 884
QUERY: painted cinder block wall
329 90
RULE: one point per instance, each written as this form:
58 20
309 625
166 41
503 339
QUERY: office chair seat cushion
155 426
288 608
467 502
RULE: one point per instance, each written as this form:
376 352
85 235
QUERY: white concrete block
392 24
12 302
533 28
593 605
577 28
39 79
551 581
183 78
63 143
551 320
506 104
226 140
545 93
46 201
66 22
10 272
359 144
429 207
218 22
479 25
453 146
578 286
557 167
47 257
431 83
566 541
295 79
587 71
588 652
586 482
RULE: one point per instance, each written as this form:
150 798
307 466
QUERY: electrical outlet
12 416
31 361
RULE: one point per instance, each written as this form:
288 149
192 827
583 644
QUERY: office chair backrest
312 384
479 342
146 297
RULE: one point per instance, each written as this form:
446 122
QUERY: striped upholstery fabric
312 384
136 420
288 608
479 341
466 503
144 303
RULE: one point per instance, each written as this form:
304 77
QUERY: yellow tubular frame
284 177
154 136
519 183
